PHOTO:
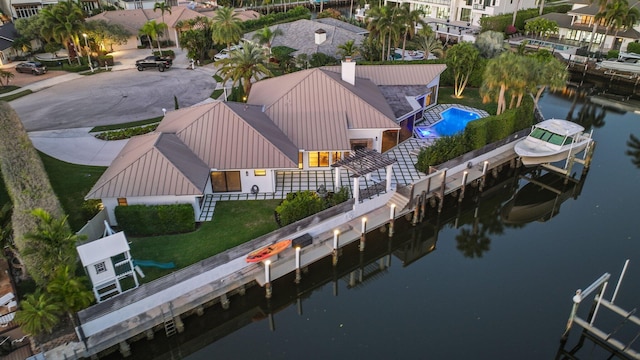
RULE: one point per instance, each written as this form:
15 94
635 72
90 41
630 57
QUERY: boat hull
537 159
267 251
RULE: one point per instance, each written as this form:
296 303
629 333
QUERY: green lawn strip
126 125
71 183
16 95
234 223
8 88
216 93
471 97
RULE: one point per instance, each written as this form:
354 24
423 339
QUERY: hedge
500 22
148 220
126 133
28 187
299 205
297 13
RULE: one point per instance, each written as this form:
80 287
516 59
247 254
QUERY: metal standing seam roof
154 164
363 161
315 108
230 136
418 74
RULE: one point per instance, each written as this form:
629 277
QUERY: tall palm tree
618 15
602 6
163 7
548 73
265 36
69 292
63 22
383 26
38 314
348 49
498 78
461 59
243 65
153 30
409 19
226 27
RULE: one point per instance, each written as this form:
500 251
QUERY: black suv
33 67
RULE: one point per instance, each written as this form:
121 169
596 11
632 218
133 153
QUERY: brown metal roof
152 165
363 161
315 108
419 74
232 136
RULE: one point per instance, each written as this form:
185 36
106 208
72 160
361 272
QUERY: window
300 161
122 202
318 159
336 156
100 267
260 172
226 181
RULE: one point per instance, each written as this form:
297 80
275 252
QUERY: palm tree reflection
634 149
589 116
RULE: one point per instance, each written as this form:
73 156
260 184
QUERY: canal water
478 282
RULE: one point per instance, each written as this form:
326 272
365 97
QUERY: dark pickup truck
159 62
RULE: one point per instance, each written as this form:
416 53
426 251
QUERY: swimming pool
453 120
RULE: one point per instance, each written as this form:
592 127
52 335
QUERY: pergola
363 162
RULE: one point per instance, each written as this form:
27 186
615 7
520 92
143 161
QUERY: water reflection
634 149
589 115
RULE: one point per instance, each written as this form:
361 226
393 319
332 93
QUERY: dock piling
225 302
298 274
334 253
363 234
392 217
267 280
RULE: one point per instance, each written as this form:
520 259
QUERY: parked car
224 53
33 67
152 61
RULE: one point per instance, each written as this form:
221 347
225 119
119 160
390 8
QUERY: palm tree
409 19
6 76
53 241
243 65
38 314
348 49
618 15
602 6
498 78
266 35
153 30
163 7
430 45
383 26
69 292
22 44
548 72
226 27
63 22
461 59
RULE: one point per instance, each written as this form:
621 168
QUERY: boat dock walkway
140 312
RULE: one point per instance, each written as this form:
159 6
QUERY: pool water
454 120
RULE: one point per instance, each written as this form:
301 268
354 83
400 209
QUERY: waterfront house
301 122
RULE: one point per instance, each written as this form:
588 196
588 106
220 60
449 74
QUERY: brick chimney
321 36
349 70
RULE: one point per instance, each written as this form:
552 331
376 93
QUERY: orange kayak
268 251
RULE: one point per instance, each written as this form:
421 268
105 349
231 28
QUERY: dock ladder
169 322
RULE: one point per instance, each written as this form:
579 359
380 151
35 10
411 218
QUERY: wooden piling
124 348
225 302
423 204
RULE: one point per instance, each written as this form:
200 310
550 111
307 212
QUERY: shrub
105 59
510 30
127 133
298 206
147 220
339 197
166 53
633 47
297 13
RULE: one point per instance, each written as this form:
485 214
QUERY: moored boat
551 141
268 251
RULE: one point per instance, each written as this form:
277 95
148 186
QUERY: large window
336 156
300 160
122 202
226 181
318 159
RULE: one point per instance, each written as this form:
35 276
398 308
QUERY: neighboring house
133 20
26 8
315 36
303 121
576 29
8 33
466 11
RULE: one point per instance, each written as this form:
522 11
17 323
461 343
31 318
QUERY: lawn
71 183
471 97
234 223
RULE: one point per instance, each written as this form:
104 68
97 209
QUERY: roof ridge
309 73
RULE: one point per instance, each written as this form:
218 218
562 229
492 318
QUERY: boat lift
585 160
605 340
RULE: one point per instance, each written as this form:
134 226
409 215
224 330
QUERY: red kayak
268 251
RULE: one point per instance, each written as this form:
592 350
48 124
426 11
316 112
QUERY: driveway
112 98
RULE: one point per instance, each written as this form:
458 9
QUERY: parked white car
224 53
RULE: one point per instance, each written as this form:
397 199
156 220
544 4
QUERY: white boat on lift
551 141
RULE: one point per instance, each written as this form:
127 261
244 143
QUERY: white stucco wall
265 183
368 134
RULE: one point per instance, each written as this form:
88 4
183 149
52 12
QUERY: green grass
16 95
216 93
8 88
71 183
127 125
471 97
234 223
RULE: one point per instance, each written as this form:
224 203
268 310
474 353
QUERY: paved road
112 98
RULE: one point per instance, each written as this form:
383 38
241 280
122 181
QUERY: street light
86 44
